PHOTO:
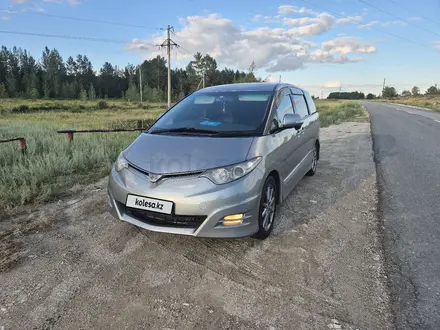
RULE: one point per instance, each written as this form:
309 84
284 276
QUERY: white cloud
257 18
305 11
317 25
5 18
369 25
372 24
288 9
332 84
437 43
347 45
274 49
349 19
298 21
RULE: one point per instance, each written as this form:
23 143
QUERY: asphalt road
406 144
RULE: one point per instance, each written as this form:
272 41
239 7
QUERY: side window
300 105
284 107
310 103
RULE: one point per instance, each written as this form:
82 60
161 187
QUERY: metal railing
71 132
23 145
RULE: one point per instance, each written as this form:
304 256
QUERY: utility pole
340 87
168 43
169 65
203 78
140 80
383 86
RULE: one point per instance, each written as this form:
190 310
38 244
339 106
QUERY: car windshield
217 112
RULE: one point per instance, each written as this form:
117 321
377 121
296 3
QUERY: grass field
22 105
429 102
53 166
333 112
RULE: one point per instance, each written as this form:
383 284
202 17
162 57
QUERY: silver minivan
219 162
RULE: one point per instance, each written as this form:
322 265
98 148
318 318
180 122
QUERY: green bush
21 108
102 105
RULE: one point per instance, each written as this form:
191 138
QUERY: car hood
165 154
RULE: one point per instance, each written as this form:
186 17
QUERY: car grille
159 219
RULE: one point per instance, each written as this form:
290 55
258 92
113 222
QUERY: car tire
314 167
267 209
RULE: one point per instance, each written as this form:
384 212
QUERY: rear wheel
268 208
314 167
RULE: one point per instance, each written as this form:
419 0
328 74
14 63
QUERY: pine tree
83 94
3 91
92 93
132 93
32 93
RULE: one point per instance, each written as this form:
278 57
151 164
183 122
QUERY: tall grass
336 112
52 164
429 102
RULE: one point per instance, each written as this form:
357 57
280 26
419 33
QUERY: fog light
234 217
232 222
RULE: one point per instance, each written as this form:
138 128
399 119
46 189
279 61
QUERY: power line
411 10
70 37
373 27
397 17
81 19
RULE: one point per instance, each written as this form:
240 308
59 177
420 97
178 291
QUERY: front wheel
314 167
267 209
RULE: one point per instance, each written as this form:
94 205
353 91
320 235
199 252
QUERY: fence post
23 145
70 136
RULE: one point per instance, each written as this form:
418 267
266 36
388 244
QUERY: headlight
121 163
227 174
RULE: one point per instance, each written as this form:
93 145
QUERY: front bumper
192 196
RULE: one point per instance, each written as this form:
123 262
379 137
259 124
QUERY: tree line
388 92
23 76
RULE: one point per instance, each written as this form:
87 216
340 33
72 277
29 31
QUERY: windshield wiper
237 133
184 130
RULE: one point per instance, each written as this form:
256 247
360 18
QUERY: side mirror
160 115
292 121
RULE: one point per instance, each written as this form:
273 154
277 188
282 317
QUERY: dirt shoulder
321 269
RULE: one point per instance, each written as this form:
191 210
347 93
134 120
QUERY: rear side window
300 105
311 103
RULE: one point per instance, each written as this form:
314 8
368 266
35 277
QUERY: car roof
247 87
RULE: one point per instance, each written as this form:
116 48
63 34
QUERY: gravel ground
69 265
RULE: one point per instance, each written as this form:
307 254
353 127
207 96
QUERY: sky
320 45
